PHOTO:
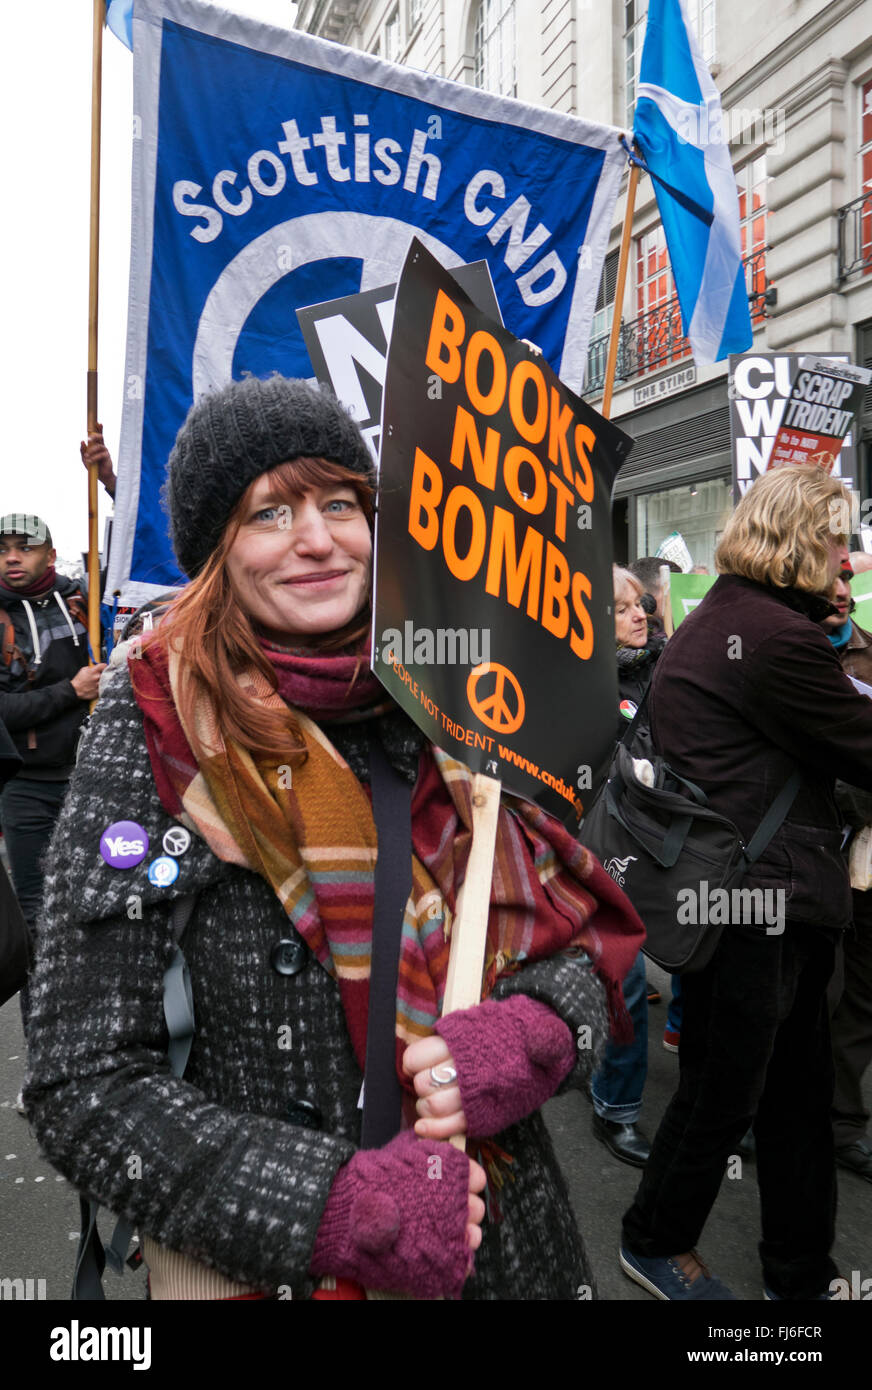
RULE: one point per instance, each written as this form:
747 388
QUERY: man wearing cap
45 688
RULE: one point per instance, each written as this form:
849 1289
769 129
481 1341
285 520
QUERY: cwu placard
493 623
759 387
273 170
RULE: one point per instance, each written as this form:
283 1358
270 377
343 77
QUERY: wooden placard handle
469 932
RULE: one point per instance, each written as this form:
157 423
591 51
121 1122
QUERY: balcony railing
655 339
760 291
855 237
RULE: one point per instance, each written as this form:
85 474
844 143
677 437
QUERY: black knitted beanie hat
233 435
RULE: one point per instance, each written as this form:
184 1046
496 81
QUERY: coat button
288 957
304 1113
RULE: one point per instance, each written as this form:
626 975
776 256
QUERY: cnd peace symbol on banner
493 624
499 709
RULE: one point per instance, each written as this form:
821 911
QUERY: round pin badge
176 840
628 709
163 871
124 844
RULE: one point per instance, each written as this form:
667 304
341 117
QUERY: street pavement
602 1188
39 1215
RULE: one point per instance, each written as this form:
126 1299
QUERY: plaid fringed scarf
309 831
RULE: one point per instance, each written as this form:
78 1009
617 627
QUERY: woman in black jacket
616 1090
637 648
747 690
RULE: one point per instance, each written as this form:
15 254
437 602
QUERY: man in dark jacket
45 687
14 945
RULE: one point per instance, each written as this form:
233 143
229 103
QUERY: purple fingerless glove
511 1055
396 1218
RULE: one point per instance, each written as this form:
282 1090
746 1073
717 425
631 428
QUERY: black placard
493 621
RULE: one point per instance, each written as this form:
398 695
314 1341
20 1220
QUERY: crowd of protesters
243 766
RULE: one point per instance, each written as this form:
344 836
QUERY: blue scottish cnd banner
273 170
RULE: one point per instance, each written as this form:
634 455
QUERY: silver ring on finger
443 1075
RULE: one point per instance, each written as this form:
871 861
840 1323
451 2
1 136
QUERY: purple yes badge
124 844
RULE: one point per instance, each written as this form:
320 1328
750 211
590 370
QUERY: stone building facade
796 89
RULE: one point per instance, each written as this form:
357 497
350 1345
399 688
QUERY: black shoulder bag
671 853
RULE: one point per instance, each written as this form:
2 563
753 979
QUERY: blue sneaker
676 1278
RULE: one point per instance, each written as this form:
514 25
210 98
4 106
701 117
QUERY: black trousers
754 1046
850 995
29 810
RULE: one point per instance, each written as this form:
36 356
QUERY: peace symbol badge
176 840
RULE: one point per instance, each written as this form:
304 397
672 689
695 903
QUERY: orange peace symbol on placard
495 707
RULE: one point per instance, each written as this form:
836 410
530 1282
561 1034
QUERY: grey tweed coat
237 1158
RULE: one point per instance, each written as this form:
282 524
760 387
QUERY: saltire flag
119 18
678 127
273 170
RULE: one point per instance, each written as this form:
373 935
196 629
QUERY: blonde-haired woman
748 690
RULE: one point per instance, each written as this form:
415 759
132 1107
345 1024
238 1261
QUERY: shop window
699 511
494 47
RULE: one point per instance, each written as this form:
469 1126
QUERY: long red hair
208 624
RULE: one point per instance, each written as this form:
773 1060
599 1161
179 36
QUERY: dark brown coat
747 689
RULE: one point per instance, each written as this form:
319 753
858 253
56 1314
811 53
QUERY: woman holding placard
248 744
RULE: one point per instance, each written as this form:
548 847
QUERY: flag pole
94 275
623 263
